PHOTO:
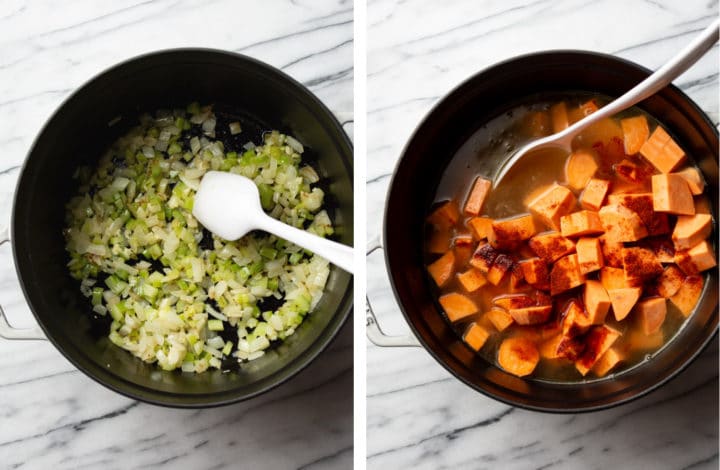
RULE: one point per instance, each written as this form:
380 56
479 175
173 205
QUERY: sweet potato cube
536 273
514 301
662 248
612 278
443 268
472 279
671 193
640 265
549 348
597 301
463 254
476 198
502 265
688 294
693 179
597 342
580 223
607 361
697 259
531 315
594 194
651 314
623 300
445 216
571 347
559 117
691 230
621 224
656 223
631 173
475 336
589 254
509 233
639 341
480 227
580 167
518 356
635 133
565 275
553 204
655 142
499 318
457 306
611 251
484 257
670 281
662 151
551 246
517 277
576 320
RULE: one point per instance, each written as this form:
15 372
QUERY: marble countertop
418 415
52 415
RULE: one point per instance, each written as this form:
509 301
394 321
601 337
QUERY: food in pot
575 266
172 292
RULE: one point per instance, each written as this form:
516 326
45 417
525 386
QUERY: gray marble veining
418 415
53 416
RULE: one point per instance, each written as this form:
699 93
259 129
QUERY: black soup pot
424 159
263 98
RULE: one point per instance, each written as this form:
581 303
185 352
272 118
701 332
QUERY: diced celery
174 148
115 284
215 325
116 313
97 296
256 267
269 253
156 279
266 196
227 348
261 329
149 291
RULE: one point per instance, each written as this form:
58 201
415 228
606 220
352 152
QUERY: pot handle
373 331
7 331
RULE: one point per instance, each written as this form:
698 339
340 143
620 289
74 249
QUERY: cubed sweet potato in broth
631 236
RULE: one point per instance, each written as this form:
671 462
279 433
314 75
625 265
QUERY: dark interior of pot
449 124
79 133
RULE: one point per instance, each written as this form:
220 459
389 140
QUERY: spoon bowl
228 205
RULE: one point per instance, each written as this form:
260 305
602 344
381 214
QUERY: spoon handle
655 82
338 254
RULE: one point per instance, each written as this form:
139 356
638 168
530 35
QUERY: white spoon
648 87
229 206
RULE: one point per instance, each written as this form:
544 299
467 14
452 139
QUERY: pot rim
198 400
580 54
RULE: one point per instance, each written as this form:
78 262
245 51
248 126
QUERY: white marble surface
53 416
418 415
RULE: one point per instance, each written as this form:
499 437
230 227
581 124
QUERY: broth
480 156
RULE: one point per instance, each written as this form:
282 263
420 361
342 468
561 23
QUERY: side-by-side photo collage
198 200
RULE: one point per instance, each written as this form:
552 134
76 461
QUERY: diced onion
142 259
